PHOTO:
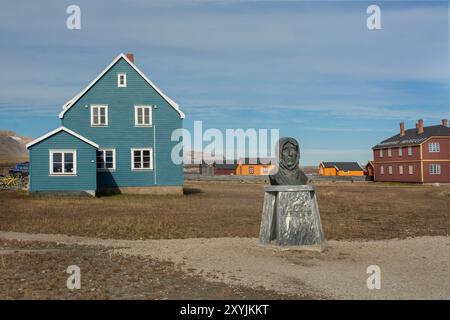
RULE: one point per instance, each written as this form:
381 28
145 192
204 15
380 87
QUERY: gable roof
51 133
72 101
250 161
411 137
354 166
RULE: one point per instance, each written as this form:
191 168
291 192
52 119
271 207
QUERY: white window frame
381 153
120 74
400 169
434 147
99 106
62 151
409 151
389 152
381 169
411 169
143 107
400 152
132 159
435 168
103 155
390 169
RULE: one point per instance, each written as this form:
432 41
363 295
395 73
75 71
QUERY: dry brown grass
226 209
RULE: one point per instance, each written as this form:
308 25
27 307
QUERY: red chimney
420 126
402 129
445 122
130 56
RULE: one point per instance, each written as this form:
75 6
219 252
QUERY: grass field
227 209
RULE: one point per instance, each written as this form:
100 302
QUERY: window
400 169
121 80
400 152
143 115
381 169
381 153
409 151
106 159
99 115
390 169
434 147
251 170
410 169
265 170
142 159
389 152
435 168
63 162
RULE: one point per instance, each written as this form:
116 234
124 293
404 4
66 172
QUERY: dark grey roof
226 166
255 160
343 165
411 137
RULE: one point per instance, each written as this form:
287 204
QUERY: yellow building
351 169
253 166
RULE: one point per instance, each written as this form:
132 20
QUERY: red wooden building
421 154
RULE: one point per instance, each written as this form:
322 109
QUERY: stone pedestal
291 217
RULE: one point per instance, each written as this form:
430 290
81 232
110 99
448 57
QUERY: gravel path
415 268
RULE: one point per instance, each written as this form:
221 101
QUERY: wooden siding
244 169
121 132
40 179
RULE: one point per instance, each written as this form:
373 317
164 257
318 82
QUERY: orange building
253 166
352 169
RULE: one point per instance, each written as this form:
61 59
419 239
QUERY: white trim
132 159
124 85
136 107
99 106
62 151
45 136
103 152
72 101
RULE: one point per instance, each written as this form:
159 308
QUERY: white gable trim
51 133
72 101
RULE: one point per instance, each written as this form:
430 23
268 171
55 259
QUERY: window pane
147 116
57 157
137 159
68 167
57 166
68 157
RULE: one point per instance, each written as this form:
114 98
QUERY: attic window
121 80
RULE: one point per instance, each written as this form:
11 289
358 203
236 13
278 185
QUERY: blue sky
311 69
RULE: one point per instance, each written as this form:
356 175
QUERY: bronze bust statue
288 171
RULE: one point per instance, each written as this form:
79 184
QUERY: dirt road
415 268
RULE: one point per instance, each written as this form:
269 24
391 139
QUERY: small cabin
351 169
254 166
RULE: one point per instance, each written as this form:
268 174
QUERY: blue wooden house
114 135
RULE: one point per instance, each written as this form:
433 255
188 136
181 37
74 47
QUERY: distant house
114 135
421 154
351 169
209 169
225 169
254 166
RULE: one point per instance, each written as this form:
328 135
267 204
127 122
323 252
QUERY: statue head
289 153
287 172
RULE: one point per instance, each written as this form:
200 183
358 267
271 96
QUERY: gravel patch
413 268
